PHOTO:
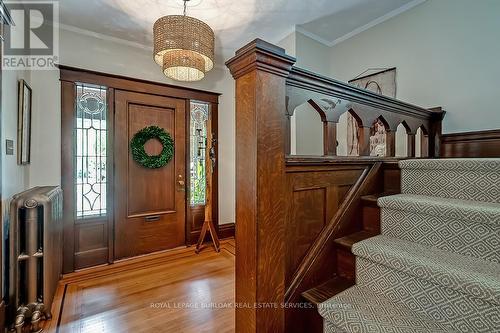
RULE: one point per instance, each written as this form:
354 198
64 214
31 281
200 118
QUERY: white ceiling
235 22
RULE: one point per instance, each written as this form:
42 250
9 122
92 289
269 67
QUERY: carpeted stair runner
436 266
465 227
466 179
349 311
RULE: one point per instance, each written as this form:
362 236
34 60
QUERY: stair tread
327 290
465 210
455 164
466 179
468 275
362 310
348 241
372 198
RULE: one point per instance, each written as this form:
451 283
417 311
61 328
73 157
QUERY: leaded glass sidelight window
90 150
198 144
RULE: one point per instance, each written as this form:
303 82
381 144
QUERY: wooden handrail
316 83
342 216
323 160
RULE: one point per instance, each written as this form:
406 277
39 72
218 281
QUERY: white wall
306 128
45 167
447 54
289 44
306 131
312 55
94 53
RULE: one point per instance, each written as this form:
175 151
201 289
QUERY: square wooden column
364 141
435 132
330 138
410 145
260 70
390 143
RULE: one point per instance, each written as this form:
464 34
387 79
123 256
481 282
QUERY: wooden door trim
68 77
73 74
67 166
110 174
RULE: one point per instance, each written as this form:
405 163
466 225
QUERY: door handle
180 183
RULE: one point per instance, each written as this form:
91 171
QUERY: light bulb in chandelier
183 65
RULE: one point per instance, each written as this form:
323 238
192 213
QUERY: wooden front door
149 203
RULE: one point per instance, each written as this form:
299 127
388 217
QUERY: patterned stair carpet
436 265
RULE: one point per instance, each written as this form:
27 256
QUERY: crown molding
365 27
104 37
313 36
284 35
379 20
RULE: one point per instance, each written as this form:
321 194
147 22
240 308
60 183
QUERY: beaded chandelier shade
183 46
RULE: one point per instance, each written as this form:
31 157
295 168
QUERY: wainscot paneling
471 144
314 195
91 243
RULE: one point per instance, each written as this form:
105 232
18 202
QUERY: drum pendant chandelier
183 46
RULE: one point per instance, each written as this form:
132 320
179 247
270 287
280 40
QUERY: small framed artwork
24 124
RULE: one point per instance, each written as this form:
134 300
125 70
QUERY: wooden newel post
260 70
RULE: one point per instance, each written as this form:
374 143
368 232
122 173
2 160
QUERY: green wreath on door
152 161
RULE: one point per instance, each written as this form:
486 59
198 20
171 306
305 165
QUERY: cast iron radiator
35 255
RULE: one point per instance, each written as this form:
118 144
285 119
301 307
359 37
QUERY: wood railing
332 98
288 208
344 214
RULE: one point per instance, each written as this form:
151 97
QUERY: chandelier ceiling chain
183 46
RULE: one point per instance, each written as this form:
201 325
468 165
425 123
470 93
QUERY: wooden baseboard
225 231
478 144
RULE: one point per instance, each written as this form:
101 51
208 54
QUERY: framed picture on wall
24 124
378 80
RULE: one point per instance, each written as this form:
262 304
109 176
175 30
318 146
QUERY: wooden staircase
290 209
345 270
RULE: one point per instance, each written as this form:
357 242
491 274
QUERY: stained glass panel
198 144
90 150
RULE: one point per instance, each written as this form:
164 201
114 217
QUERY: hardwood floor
172 291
